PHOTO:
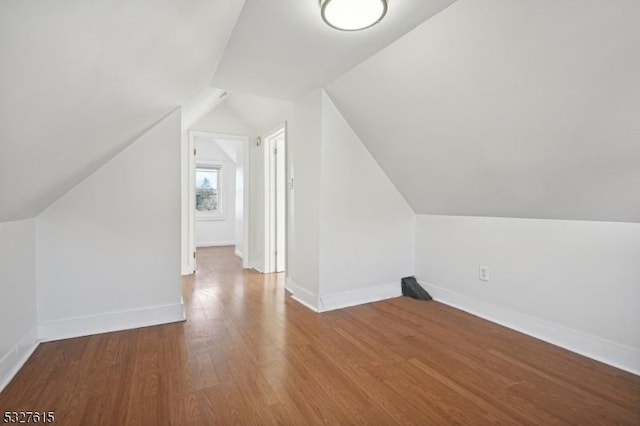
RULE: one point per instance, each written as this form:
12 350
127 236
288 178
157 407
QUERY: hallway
249 354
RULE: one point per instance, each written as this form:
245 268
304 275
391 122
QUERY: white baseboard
239 254
330 302
612 353
289 284
13 360
258 267
303 296
216 244
112 321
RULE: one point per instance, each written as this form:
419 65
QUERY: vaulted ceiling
501 108
282 49
80 80
508 108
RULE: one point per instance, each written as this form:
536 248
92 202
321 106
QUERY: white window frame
220 214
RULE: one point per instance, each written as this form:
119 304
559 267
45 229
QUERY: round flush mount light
352 15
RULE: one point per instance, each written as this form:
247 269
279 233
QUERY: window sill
205 217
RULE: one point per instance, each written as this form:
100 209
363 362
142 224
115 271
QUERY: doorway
276 201
218 193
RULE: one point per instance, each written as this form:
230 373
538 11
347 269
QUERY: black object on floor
411 288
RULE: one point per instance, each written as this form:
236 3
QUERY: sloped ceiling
198 106
498 108
80 80
508 108
282 49
230 148
263 115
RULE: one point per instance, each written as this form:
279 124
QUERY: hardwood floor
249 354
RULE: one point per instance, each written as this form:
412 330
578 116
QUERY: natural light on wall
353 15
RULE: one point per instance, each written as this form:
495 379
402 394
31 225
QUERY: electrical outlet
483 274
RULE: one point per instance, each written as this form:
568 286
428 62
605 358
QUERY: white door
276 219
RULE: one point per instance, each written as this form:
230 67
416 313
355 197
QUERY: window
208 191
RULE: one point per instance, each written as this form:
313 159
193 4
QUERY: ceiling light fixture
352 15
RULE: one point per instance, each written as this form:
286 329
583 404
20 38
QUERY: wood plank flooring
249 354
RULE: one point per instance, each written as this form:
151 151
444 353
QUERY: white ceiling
81 79
499 108
508 108
231 147
198 106
282 48
263 115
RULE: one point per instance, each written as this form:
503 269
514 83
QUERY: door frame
191 194
271 198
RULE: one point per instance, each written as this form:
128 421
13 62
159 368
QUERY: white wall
263 115
222 230
353 233
109 249
367 229
303 150
18 316
223 119
573 283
